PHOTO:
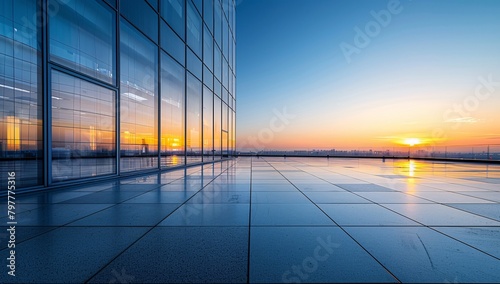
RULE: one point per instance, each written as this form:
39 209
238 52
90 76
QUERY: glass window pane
208 78
224 117
194 28
172 43
193 120
218 23
82 38
217 63
208 117
173 13
194 64
83 136
208 13
217 125
21 140
138 101
208 49
172 112
198 4
142 16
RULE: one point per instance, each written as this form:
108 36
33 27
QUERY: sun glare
412 141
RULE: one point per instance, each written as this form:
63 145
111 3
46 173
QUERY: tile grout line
421 224
340 227
152 227
101 210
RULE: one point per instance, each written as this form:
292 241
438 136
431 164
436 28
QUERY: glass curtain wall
156 76
21 107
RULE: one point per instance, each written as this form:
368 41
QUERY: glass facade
93 88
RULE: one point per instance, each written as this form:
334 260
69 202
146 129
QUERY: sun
412 141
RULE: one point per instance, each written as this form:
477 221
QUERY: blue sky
424 61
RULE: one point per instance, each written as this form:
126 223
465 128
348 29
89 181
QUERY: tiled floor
266 220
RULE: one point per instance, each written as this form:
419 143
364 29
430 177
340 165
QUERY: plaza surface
266 220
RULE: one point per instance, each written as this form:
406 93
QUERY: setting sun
412 141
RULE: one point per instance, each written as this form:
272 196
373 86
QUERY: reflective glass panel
82 38
193 120
83 128
172 43
173 12
208 13
138 101
208 117
21 139
208 49
172 112
217 125
194 29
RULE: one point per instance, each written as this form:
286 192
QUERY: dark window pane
218 23
217 63
172 43
142 16
194 30
208 49
194 64
83 128
82 38
208 13
208 78
153 3
198 4
173 13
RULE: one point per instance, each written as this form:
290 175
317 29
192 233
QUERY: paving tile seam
371 255
111 205
380 204
428 226
156 225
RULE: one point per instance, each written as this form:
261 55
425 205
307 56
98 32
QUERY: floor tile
110 196
418 254
288 215
209 215
440 215
364 188
184 254
158 196
310 254
335 197
56 214
486 239
486 210
128 215
392 197
293 197
364 215
69 255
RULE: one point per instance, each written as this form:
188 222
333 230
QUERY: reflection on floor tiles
266 220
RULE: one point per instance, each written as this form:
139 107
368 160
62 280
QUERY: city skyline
335 74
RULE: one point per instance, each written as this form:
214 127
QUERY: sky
324 74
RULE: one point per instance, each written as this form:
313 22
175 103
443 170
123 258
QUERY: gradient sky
416 78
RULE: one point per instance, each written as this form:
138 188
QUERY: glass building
100 88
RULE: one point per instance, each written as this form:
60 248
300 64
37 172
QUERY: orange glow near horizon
412 141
